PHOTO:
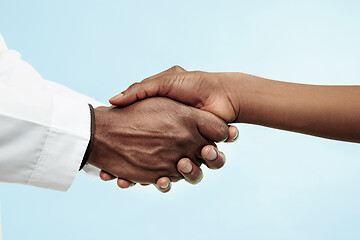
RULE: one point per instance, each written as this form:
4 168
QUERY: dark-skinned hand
142 143
198 89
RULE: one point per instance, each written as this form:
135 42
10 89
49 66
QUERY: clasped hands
159 140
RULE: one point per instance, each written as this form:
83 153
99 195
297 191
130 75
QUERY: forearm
325 111
56 120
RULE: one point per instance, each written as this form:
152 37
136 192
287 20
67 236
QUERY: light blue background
276 185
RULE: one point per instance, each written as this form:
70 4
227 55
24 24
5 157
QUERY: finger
233 134
105 176
212 127
163 184
192 173
213 158
176 69
137 91
173 69
122 183
152 86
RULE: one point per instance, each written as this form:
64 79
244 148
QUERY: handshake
158 131
159 140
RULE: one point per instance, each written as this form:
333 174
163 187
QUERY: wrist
239 89
104 130
90 144
97 116
263 101
252 94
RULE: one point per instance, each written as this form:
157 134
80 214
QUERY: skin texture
326 111
198 89
180 94
192 173
154 134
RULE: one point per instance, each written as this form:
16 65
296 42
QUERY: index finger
150 87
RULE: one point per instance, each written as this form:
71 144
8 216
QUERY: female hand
212 92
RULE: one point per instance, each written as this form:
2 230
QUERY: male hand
206 91
144 141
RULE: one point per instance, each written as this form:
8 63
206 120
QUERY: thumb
211 127
137 91
157 85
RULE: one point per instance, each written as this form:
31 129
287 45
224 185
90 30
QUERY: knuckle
183 139
176 68
134 85
141 94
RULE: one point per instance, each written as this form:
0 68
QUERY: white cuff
65 146
91 170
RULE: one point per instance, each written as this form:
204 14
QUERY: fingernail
116 97
187 168
165 186
237 135
120 183
212 155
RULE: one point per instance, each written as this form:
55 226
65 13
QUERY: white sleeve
44 127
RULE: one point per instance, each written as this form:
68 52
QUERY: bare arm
325 111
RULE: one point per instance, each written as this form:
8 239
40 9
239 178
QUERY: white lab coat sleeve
44 127
59 89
